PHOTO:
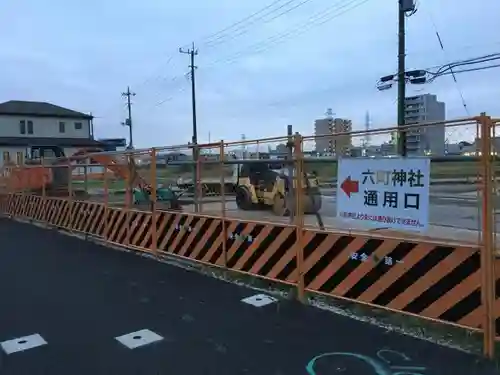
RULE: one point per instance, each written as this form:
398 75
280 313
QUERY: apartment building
336 141
428 140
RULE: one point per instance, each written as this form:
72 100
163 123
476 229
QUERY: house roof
42 141
39 109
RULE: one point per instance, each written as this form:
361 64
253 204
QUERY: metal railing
141 179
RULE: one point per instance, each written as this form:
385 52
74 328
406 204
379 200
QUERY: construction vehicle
51 179
268 184
168 198
208 186
54 180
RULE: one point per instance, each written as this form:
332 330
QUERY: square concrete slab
259 300
139 338
23 343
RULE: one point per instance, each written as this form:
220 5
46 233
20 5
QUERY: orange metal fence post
479 179
106 203
70 196
487 248
199 191
22 173
290 198
495 193
106 186
86 176
223 201
44 191
128 194
299 215
154 234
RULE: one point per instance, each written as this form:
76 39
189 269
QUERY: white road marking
139 338
259 300
23 343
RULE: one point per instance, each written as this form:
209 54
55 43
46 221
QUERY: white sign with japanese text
385 192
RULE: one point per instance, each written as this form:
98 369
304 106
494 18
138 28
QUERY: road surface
448 210
76 298
450 206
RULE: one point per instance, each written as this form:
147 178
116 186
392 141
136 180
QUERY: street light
422 76
384 87
416 77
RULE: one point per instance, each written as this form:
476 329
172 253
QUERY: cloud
251 80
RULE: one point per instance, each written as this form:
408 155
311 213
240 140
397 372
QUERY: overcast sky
282 68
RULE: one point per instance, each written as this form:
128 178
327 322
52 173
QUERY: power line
440 41
326 15
448 69
316 20
171 97
207 38
162 66
475 60
422 76
244 31
471 69
238 25
216 39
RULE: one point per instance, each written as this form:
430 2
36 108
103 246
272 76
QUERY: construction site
276 219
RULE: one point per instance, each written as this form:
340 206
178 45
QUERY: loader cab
36 153
256 172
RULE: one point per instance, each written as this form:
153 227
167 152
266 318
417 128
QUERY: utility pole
192 52
128 121
91 130
401 77
406 9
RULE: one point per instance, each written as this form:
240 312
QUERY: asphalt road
445 210
79 297
450 205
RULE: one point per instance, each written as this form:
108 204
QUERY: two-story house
25 124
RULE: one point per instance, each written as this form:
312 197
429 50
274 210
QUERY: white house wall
43 127
68 151
12 153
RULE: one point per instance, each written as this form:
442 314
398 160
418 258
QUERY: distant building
425 140
113 144
281 148
26 126
474 149
384 149
335 141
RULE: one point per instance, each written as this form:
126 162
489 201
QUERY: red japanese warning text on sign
384 192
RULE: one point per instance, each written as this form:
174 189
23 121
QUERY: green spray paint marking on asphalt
380 365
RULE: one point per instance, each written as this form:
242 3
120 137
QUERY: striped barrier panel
428 279
4 203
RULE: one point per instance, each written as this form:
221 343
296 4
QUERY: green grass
99 184
328 170
438 169
325 171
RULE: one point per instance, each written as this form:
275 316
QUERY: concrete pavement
78 297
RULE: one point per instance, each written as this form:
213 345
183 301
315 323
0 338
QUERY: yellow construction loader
267 184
